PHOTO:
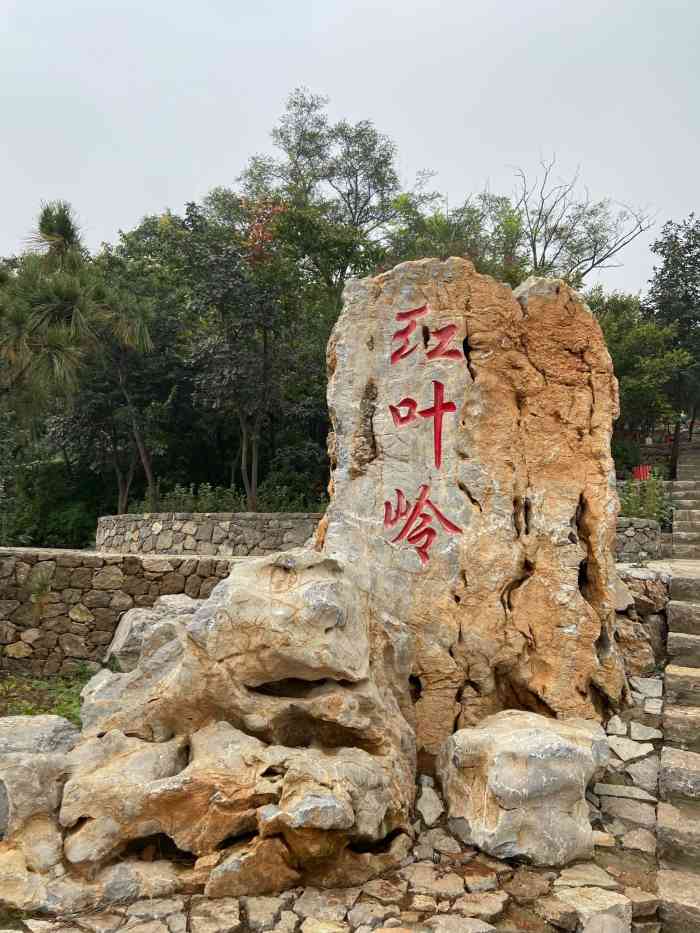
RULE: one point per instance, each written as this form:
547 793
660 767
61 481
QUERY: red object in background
641 472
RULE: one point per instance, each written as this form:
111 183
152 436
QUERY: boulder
515 786
323 755
37 734
598 910
125 648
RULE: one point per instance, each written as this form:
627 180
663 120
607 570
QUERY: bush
48 509
626 454
202 498
647 499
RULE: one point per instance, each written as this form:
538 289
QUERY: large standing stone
473 492
516 785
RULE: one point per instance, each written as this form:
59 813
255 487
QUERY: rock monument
464 568
473 491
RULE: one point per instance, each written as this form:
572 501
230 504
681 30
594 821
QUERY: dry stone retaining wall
59 609
225 534
637 538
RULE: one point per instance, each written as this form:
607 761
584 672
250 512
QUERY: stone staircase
678 814
685 497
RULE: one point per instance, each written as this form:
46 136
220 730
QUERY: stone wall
59 609
637 537
225 534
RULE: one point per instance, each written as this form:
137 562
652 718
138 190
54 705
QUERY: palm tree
55 304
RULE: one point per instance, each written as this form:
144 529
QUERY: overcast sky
126 108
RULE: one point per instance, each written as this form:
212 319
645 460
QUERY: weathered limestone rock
599 911
485 525
464 569
516 784
317 771
125 648
47 734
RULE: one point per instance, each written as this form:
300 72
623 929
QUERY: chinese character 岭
417 529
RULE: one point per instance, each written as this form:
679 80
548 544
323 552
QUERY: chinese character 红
443 335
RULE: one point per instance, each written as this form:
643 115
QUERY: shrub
626 454
647 499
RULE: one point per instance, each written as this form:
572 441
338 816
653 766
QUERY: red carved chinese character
417 530
439 407
405 332
399 420
438 412
444 335
402 507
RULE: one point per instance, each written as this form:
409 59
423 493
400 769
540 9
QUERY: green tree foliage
486 228
674 299
183 366
645 356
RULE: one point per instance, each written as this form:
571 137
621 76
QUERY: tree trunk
234 466
691 426
255 448
144 455
124 484
244 461
69 465
675 450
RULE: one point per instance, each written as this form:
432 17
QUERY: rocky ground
443 886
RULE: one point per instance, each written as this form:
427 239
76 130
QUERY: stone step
686 551
679 775
686 589
683 617
681 725
681 686
686 515
678 835
679 894
684 526
685 537
678 485
686 503
684 649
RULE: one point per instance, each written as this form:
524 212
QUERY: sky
128 108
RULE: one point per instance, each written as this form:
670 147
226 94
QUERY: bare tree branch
570 235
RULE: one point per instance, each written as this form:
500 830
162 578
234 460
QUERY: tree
56 305
486 229
568 234
48 304
238 350
645 356
674 298
340 186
